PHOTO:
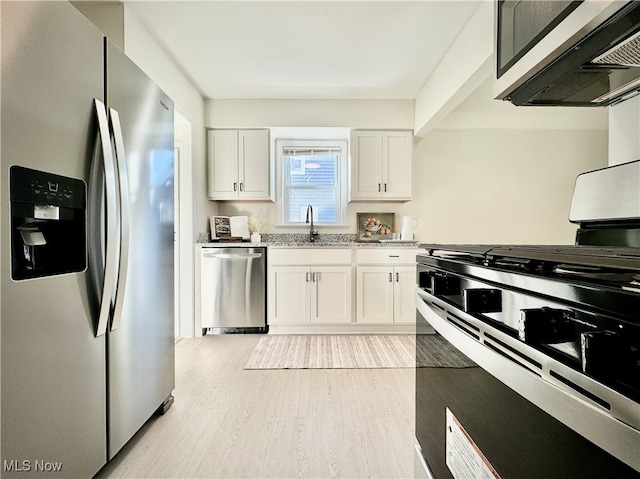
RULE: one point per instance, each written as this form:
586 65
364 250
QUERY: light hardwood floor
230 422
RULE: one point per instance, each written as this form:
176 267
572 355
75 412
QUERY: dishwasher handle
232 255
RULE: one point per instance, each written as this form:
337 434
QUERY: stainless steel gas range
553 333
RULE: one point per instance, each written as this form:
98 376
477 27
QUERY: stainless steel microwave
567 53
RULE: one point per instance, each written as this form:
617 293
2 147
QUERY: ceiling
306 49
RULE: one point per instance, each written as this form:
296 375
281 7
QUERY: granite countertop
296 240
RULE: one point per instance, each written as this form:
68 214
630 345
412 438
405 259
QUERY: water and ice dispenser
48 224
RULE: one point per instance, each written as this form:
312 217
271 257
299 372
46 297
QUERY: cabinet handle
397 277
307 276
390 277
235 186
241 186
394 256
313 277
379 188
385 187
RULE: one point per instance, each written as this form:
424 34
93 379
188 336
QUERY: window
313 173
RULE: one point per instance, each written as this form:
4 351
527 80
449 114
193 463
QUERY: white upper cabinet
239 166
381 165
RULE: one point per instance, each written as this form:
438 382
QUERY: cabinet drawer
386 255
309 256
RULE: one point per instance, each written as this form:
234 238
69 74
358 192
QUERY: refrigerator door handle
124 224
103 195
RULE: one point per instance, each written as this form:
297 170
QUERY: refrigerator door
141 340
53 367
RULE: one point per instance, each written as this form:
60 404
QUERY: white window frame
341 179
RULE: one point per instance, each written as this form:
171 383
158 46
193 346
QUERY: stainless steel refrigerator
86 195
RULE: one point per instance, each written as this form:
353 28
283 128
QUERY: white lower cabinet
318 294
374 294
290 298
404 292
310 286
385 294
333 290
385 286
331 294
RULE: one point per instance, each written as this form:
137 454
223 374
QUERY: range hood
590 56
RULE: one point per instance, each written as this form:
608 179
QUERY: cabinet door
222 156
289 294
397 153
366 165
404 290
331 294
254 176
374 294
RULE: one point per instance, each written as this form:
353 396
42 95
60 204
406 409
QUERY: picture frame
373 233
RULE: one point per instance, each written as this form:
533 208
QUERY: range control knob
482 300
599 351
424 280
545 326
445 285
612 357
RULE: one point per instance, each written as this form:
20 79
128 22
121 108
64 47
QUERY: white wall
501 186
495 173
396 114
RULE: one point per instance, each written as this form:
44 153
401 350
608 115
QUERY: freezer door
141 339
53 368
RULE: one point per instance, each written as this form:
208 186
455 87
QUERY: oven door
471 422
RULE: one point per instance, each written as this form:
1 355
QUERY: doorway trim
183 255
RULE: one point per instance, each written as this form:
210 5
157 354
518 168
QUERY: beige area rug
352 352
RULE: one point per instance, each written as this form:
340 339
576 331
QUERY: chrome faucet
313 235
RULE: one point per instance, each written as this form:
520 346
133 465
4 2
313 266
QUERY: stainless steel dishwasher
233 289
